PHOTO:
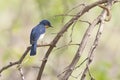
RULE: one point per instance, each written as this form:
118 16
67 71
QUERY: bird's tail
33 49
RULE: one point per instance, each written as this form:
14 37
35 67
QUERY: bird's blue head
46 23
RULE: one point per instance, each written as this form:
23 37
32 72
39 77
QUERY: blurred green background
18 17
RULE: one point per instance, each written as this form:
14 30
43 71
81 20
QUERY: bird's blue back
36 32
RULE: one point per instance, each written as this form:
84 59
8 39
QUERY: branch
21 58
64 29
93 47
98 35
65 15
67 46
72 31
74 68
21 72
85 21
80 49
83 44
91 78
76 7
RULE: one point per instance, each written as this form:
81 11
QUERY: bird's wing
35 34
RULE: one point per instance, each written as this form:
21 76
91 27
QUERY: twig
72 31
65 15
108 12
76 77
73 69
85 21
21 72
76 7
37 67
116 1
91 78
7 66
21 58
81 63
67 45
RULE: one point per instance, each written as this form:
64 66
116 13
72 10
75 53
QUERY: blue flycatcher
38 32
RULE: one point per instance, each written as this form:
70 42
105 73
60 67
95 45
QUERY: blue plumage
36 32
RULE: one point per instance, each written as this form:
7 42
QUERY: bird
38 32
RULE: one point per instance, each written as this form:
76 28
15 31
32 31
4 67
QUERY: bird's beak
51 26
46 26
